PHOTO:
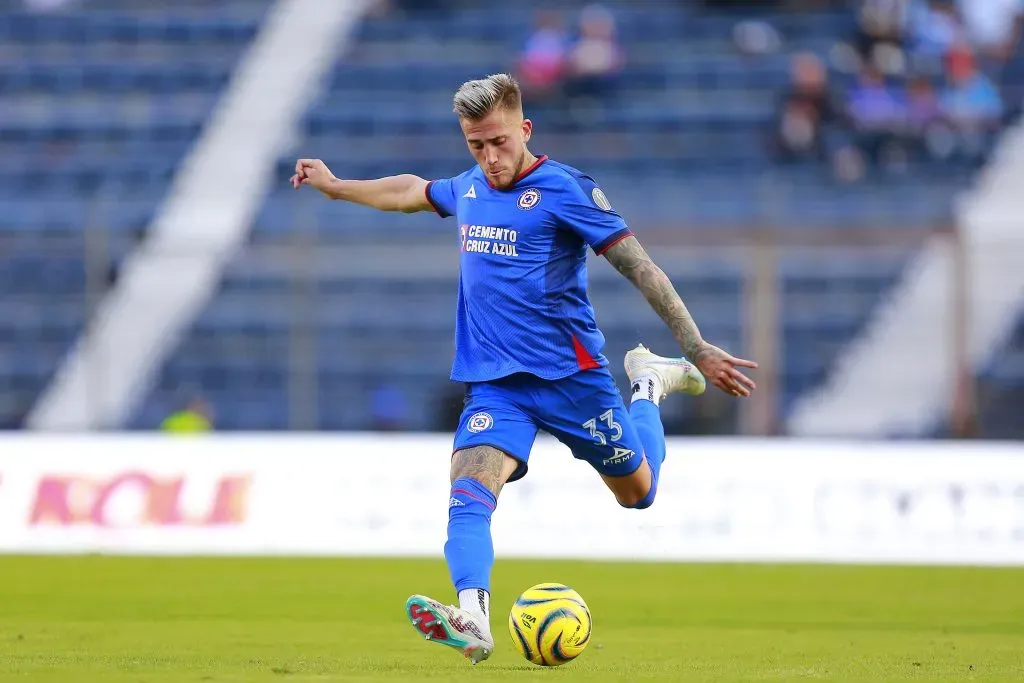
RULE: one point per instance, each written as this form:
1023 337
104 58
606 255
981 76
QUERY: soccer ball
550 624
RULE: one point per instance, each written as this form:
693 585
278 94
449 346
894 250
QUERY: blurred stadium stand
101 101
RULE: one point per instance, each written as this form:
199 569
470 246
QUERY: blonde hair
476 99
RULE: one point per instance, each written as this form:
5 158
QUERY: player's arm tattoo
630 259
483 463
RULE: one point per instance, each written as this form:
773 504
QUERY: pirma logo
620 456
480 422
529 199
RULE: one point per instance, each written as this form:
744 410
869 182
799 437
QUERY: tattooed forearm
630 259
483 463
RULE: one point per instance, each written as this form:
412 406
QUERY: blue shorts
584 411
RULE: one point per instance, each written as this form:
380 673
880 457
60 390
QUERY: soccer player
526 341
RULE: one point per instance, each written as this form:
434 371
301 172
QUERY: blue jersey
523 304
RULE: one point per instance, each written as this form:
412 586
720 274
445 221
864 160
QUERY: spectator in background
880 35
542 64
807 115
877 112
923 127
993 27
196 417
971 105
596 58
920 89
934 28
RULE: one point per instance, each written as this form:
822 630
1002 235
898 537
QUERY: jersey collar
526 171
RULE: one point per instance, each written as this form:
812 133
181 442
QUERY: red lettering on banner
135 499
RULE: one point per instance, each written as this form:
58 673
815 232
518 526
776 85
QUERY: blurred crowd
930 81
572 65
915 83
569 58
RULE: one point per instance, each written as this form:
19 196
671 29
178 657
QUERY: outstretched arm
720 368
406 193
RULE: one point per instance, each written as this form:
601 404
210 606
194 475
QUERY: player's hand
721 369
313 172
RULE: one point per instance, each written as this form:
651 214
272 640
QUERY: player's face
498 143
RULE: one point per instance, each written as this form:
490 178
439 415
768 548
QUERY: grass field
154 620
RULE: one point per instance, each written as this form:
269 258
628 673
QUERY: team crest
480 422
600 199
529 199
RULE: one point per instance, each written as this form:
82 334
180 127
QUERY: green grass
154 620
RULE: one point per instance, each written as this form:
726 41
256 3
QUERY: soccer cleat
450 626
676 374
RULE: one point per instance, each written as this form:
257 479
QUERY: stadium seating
99 105
671 153
683 148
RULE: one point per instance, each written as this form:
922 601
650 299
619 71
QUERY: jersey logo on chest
489 239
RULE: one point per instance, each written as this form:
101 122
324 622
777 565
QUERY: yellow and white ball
550 624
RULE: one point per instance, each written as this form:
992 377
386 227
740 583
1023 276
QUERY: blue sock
647 420
469 550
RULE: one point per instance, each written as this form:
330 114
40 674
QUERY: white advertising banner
370 494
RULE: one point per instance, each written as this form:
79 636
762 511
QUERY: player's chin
502 181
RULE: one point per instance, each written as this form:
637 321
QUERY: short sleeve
441 195
587 212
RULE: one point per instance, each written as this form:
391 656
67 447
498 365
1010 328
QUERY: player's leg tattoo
477 475
486 464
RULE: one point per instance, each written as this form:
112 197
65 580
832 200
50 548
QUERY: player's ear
527 129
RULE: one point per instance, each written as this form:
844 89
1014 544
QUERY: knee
635 501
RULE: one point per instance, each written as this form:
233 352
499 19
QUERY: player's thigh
587 414
493 422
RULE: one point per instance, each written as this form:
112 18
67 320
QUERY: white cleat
676 374
450 626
